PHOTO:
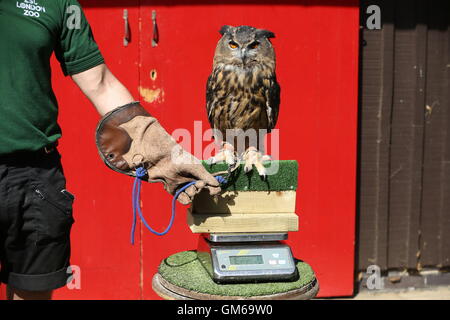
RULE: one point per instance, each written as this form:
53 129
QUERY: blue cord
136 199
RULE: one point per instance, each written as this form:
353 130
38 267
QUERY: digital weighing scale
246 257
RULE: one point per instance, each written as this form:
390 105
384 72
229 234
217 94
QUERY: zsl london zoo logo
30 8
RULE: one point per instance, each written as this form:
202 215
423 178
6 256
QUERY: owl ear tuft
225 29
265 33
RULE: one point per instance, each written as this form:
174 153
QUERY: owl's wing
210 100
272 103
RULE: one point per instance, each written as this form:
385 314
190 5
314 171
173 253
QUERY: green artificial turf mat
283 179
185 270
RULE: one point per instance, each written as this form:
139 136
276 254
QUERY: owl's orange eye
233 45
253 45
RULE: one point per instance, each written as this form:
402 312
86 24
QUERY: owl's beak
243 55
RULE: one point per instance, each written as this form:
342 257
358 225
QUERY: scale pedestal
236 266
182 277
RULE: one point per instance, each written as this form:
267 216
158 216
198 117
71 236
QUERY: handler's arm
102 88
125 121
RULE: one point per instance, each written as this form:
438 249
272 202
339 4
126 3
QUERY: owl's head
244 47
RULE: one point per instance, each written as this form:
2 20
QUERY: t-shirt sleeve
76 49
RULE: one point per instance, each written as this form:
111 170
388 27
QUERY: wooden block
241 222
249 202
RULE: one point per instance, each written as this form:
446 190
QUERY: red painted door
317 67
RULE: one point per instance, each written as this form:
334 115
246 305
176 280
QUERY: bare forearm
103 89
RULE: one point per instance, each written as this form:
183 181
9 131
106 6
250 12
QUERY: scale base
182 277
169 291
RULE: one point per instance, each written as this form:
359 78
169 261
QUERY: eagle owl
243 94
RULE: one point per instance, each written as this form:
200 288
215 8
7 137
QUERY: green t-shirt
30 31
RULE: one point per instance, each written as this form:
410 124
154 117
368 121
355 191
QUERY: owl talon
226 154
261 170
252 157
230 159
248 167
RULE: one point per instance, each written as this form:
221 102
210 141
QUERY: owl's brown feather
244 100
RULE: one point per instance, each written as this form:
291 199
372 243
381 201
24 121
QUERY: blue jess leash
136 199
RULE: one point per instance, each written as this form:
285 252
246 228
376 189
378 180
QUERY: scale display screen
254 259
239 262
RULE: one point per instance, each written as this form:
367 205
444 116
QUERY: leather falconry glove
129 137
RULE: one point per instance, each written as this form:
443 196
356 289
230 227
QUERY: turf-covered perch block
249 203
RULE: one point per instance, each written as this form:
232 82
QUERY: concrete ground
435 293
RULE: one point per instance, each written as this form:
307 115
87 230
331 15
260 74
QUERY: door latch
155 38
126 37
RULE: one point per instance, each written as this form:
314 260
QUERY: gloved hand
129 137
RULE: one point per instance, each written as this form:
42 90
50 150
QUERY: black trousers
35 222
